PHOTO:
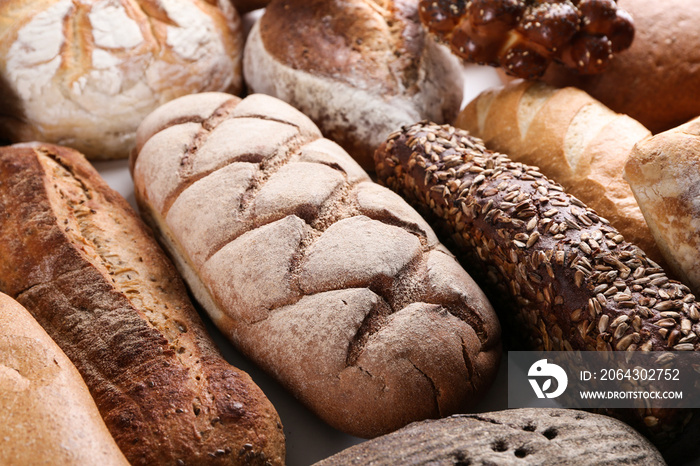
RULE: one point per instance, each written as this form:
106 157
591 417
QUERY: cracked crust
540 436
328 281
358 68
85 74
87 268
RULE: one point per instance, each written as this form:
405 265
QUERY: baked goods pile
329 282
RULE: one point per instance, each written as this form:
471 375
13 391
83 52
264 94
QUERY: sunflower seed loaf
331 283
533 436
573 282
77 256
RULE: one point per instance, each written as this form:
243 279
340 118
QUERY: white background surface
308 438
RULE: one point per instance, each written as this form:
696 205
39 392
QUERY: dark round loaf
511 437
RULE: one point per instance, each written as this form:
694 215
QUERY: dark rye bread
574 283
330 282
81 261
357 68
532 436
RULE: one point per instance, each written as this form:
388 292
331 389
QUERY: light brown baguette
48 415
328 281
81 261
664 176
573 139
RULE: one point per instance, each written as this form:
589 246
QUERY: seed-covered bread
533 436
573 139
358 68
327 280
48 415
81 261
572 280
84 74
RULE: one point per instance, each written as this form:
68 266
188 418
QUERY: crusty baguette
573 139
48 415
327 280
81 261
533 436
664 176
574 283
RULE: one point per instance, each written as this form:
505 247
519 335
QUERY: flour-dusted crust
328 281
82 262
663 174
84 74
359 69
48 416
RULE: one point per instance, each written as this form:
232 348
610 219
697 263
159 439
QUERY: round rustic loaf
656 81
48 415
541 436
359 69
328 281
84 74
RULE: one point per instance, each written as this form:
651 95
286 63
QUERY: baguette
541 436
573 139
48 415
574 283
663 174
81 261
331 283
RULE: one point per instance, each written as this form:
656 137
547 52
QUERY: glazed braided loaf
572 279
327 280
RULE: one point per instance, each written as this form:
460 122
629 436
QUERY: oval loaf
359 69
48 415
328 281
81 261
531 436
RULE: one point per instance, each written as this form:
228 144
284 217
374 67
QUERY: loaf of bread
48 415
573 139
574 283
542 436
359 69
84 74
664 176
81 261
656 81
331 283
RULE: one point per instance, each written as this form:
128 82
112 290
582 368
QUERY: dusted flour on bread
84 74
328 281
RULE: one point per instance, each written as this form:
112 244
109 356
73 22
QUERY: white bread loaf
328 281
358 69
84 74
48 415
664 176
573 139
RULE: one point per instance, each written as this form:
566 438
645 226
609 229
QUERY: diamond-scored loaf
328 281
